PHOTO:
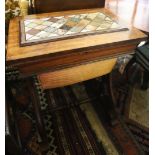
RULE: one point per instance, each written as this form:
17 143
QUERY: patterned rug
119 135
68 130
75 119
137 117
133 105
73 134
81 129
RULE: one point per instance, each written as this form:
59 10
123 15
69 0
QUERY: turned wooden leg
107 98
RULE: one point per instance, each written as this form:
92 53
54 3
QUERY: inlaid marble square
61 21
89 28
43 34
48 23
56 25
80 26
60 31
65 27
96 24
34 38
92 16
41 27
50 29
28 36
75 19
53 19
38 21
68 26
31 25
27 29
71 23
33 31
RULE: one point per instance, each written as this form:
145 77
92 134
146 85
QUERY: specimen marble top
33 33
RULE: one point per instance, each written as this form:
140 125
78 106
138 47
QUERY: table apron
53 63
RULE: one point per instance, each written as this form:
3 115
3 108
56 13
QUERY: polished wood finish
135 12
66 53
16 52
41 6
57 62
64 60
76 74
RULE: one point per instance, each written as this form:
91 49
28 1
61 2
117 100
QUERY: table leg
13 143
107 99
101 88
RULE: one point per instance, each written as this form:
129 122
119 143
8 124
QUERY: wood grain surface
53 62
15 52
61 5
76 74
52 56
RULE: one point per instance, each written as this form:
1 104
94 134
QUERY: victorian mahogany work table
67 61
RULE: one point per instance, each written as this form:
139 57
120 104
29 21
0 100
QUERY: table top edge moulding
15 52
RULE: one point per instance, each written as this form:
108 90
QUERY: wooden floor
135 12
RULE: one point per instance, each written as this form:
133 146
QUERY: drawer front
76 74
